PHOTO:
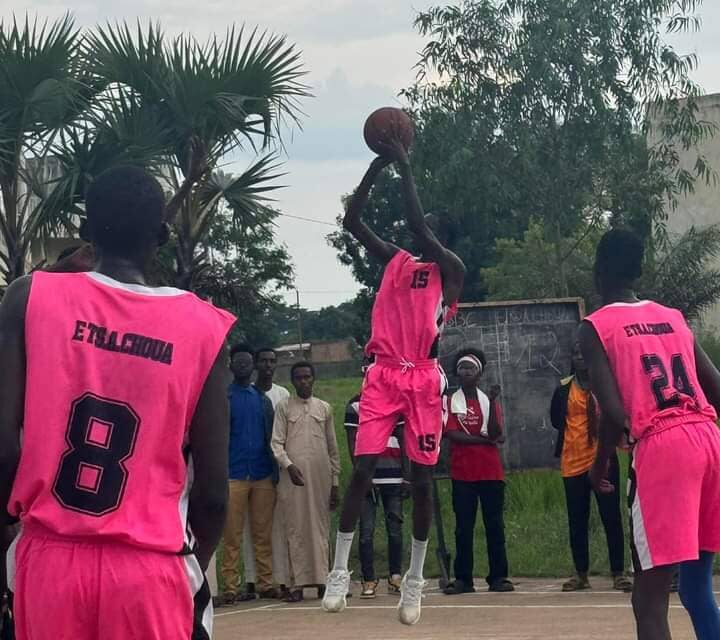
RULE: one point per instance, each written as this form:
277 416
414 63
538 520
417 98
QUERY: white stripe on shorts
10 559
200 591
638 529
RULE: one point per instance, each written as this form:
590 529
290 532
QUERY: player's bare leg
650 600
338 582
413 582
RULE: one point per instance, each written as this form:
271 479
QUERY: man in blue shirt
253 476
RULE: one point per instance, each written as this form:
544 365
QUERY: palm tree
45 86
205 102
684 273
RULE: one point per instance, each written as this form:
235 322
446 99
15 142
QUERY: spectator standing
265 365
253 475
305 447
474 429
573 413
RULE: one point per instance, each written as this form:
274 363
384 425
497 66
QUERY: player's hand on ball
598 477
395 150
334 498
296 476
379 163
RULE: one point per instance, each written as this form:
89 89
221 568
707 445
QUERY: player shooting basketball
410 309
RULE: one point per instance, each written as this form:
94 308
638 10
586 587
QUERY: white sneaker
336 590
410 600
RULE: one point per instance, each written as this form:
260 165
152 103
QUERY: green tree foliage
115 95
682 274
242 269
45 85
527 269
536 110
333 323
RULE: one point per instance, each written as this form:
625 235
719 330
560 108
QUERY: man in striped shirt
387 488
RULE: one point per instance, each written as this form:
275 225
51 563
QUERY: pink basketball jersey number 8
101 436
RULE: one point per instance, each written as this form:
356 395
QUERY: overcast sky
359 54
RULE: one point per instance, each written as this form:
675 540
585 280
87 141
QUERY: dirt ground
536 611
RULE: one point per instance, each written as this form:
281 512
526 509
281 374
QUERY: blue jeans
391 497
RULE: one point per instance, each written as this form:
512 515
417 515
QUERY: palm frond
135 59
247 195
681 275
44 84
120 131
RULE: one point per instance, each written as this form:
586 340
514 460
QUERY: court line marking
507 605
317 609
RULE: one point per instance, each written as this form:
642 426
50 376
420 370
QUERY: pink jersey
114 372
652 355
409 313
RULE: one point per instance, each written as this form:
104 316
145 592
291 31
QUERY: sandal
622 583
294 596
369 589
576 583
394 583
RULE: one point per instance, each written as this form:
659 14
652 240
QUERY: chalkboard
528 346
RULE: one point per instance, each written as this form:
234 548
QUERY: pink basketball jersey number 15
420 279
101 436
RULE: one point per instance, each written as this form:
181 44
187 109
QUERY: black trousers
577 495
392 499
491 495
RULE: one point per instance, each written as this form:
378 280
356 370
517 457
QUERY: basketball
380 125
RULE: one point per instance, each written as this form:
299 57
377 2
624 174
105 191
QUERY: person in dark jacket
573 413
253 477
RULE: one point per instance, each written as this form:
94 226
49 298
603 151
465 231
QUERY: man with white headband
474 429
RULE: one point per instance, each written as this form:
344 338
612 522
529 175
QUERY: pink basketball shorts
73 590
674 495
395 388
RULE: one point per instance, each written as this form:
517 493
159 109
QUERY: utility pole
299 321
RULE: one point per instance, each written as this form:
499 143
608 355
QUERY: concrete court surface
538 610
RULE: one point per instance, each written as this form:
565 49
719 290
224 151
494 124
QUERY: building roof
294 347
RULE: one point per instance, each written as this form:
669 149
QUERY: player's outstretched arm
452 268
708 376
376 247
604 386
209 436
12 385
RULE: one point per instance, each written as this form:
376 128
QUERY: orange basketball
380 125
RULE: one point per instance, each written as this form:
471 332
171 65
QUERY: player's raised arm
376 246
451 266
12 385
209 435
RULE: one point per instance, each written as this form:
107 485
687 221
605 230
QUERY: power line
326 291
328 224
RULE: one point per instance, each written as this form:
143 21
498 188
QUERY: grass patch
536 526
